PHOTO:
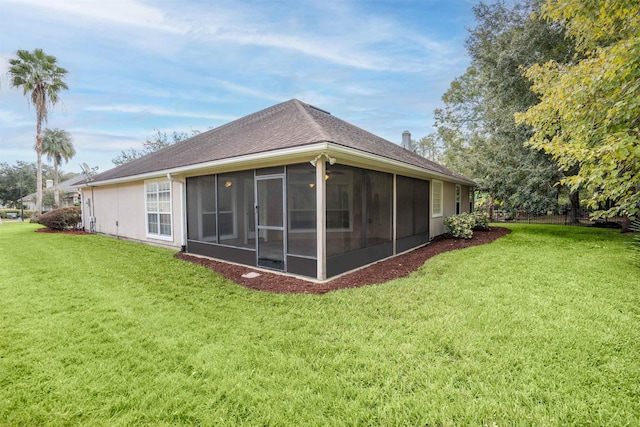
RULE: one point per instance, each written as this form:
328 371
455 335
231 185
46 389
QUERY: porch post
321 223
394 214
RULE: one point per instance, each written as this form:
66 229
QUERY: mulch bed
380 272
51 230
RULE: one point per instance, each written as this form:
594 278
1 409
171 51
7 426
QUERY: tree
158 141
430 147
477 126
589 115
14 178
57 145
42 80
23 174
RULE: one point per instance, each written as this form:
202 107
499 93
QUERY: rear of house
289 188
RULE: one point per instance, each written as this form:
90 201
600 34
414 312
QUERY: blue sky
140 65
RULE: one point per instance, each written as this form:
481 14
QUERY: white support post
321 223
394 219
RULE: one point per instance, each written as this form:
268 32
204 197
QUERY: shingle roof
68 185
286 125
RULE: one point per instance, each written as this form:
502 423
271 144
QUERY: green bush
4 212
460 226
481 219
62 218
463 225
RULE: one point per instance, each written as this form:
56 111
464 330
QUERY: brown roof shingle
286 125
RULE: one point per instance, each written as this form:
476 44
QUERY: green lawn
541 327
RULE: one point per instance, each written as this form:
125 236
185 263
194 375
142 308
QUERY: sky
137 66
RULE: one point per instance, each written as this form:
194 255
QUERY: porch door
270 222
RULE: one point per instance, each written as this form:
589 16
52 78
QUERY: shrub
460 226
62 218
481 219
4 212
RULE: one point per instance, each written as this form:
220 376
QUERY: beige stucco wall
119 211
449 206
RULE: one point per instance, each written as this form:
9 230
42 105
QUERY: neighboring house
290 188
69 194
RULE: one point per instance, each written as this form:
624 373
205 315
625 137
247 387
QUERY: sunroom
282 217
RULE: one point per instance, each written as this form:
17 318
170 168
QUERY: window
436 198
470 199
158 198
458 197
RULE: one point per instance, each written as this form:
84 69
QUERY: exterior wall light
331 160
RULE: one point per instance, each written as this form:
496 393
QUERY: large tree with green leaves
589 115
477 125
41 80
22 175
158 141
16 181
57 144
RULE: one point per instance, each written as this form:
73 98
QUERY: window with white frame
158 204
458 198
436 198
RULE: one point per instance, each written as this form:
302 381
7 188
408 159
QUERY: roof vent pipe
406 140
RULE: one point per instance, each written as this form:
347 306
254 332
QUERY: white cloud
121 12
147 109
10 118
245 90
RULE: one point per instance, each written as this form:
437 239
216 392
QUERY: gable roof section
69 185
286 125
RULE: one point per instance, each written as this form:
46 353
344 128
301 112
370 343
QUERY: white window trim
458 199
433 198
158 236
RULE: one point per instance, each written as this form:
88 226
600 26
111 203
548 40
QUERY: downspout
92 212
183 239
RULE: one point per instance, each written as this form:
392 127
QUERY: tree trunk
490 208
56 192
39 165
626 224
574 198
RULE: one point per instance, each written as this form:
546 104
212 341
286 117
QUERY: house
289 188
69 194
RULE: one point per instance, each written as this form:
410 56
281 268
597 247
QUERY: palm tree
57 145
41 79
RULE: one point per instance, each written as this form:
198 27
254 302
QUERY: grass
541 327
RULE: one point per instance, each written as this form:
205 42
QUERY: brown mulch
51 230
380 272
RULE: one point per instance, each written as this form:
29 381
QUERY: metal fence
562 217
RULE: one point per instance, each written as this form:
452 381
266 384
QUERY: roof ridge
301 107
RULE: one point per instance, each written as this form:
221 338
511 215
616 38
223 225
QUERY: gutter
330 148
